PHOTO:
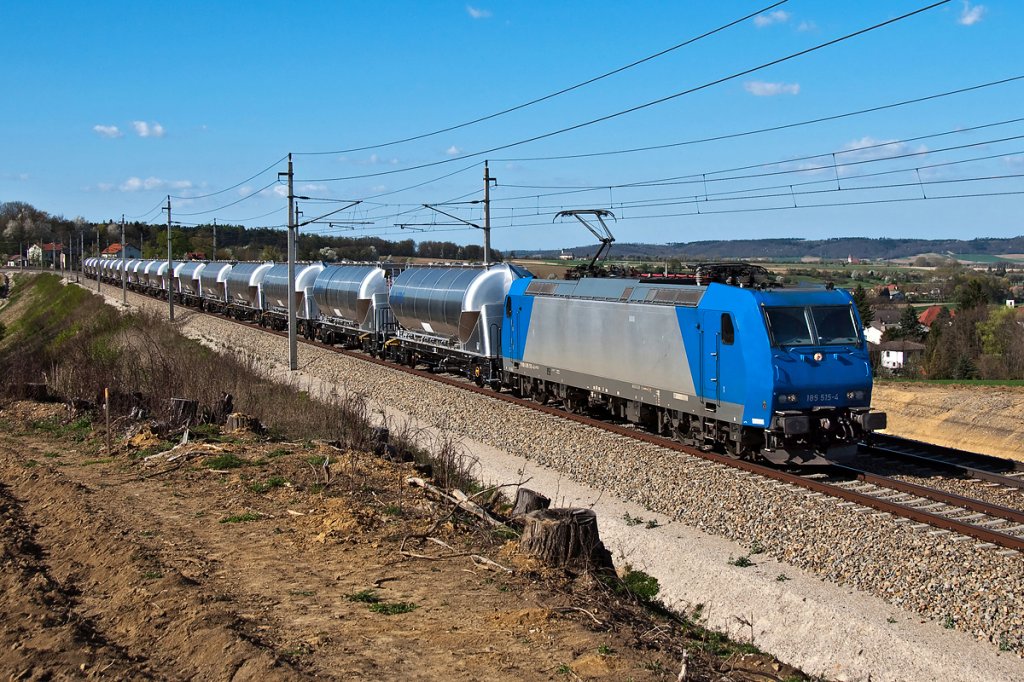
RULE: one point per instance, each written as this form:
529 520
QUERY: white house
897 354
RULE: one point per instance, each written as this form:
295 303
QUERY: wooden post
106 409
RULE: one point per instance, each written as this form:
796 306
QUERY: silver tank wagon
135 270
459 307
213 281
353 303
187 278
352 294
275 289
150 277
245 285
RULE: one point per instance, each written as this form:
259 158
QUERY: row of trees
22 225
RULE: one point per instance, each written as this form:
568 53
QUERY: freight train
722 359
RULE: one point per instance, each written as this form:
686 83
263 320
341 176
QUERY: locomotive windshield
812 326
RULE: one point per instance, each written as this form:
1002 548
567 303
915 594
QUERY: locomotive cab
821 385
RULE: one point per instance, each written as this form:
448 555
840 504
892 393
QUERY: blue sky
110 106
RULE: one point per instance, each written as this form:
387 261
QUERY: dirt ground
988 419
233 558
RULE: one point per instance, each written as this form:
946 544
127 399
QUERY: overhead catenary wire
390 231
770 129
793 159
236 185
646 105
688 198
704 178
552 95
237 201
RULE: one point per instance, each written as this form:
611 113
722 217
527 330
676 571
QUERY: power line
147 213
700 177
771 129
689 198
239 184
553 94
652 103
237 201
899 200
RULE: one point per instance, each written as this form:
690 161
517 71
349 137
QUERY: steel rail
970 503
984 534
965 469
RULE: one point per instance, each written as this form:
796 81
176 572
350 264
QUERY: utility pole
170 264
213 256
124 264
487 213
81 252
293 342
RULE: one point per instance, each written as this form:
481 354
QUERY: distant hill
795 249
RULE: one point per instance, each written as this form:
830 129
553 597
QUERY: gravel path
953 580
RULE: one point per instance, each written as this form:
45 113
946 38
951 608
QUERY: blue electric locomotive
783 374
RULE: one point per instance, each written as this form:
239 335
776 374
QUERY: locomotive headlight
855 395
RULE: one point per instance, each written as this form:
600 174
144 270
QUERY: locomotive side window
835 325
728 333
788 327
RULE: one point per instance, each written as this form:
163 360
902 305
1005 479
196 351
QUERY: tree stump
243 422
565 538
225 406
38 392
183 410
528 501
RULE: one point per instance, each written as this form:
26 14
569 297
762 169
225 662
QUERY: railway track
1008 473
994 525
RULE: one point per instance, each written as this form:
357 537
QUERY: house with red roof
930 314
114 251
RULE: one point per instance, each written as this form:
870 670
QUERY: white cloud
107 131
312 187
1015 161
244 191
105 186
131 185
804 26
869 148
281 191
478 13
144 129
134 184
763 89
453 151
777 17
969 16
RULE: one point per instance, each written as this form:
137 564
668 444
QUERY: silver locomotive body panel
628 350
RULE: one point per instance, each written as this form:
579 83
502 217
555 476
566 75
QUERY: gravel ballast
956 582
